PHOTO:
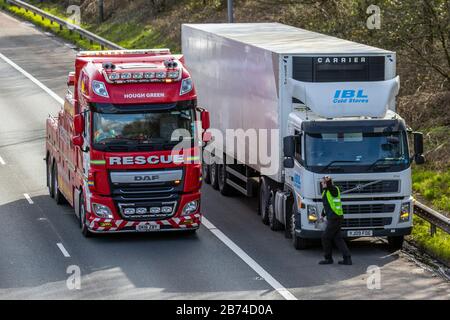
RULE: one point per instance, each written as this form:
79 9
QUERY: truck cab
369 161
124 149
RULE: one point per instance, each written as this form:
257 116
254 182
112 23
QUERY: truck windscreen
356 151
160 129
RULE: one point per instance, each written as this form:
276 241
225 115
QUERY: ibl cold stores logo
350 96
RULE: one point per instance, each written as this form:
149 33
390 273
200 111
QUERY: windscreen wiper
338 161
376 163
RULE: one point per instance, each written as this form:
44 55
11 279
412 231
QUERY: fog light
405 212
190 207
166 209
141 210
102 211
129 211
312 213
155 210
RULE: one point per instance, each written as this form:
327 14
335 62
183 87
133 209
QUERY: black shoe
347 261
326 261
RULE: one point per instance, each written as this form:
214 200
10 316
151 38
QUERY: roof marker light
149 75
99 89
126 75
160 75
138 75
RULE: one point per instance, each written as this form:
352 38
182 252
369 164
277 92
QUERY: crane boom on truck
330 104
122 151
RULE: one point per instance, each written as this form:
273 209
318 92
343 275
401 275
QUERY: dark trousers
332 234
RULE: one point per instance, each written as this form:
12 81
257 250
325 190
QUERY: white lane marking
2 162
63 250
27 196
33 79
248 260
214 230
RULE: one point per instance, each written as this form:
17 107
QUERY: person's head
326 182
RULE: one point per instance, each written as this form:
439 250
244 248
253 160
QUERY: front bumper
101 225
317 234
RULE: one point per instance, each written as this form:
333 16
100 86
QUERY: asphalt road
39 240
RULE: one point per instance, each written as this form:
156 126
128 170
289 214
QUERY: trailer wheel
264 197
274 224
213 176
51 189
298 242
395 243
206 175
224 188
59 198
83 225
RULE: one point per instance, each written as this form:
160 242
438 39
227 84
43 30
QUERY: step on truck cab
329 105
124 149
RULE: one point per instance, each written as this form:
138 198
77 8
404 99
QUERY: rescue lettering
141 160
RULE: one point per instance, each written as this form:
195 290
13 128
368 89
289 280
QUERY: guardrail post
432 229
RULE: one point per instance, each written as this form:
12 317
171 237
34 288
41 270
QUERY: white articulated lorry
325 105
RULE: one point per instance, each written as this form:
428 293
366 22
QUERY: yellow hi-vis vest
335 202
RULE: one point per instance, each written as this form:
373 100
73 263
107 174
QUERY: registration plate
147 227
360 233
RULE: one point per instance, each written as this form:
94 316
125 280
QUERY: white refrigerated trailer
289 106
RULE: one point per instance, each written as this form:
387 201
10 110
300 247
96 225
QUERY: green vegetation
437 246
433 187
48 26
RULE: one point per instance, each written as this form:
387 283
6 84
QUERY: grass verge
46 25
438 246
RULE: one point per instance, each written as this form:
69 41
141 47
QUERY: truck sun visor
346 99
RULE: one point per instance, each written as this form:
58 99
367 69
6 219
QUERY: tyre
274 224
264 198
298 242
224 188
50 182
206 175
189 232
57 195
83 221
395 243
213 175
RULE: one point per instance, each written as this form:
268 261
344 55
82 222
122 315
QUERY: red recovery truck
124 149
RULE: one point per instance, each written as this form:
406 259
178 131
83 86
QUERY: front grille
368 208
147 195
366 222
384 186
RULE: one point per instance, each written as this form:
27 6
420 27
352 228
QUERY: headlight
405 212
190 207
186 86
100 89
102 211
312 213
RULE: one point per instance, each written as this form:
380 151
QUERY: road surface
234 257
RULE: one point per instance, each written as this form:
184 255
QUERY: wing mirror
206 124
78 141
71 79
418 148
78 124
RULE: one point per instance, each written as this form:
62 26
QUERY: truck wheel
83 225
274 224
264 197
206 175
298 242
213 176
395 243
50 185
59 198
224 188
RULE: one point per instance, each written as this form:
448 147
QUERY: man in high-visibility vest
331 198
